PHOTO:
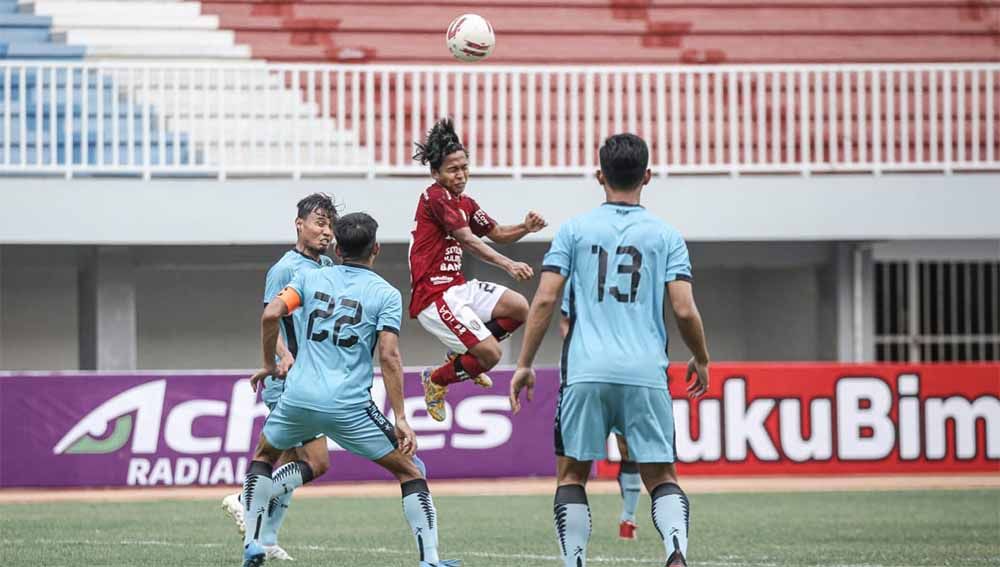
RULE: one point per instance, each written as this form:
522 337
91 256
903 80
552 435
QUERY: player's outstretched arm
544 303
693 332
533 222
392 375
269 339
474 244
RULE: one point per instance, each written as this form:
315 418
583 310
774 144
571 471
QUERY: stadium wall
199 306
196 428
704 208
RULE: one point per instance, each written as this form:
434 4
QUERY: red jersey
435 256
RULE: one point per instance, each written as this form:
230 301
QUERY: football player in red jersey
469 317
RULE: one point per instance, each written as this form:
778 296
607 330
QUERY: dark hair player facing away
351 310
469 317
623 265
310 459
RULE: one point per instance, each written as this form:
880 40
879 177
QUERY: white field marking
486 555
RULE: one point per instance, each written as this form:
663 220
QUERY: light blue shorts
363 431
589 411
273 388
270 410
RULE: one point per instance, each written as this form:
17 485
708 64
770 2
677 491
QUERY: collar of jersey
307 257
621 204
359 266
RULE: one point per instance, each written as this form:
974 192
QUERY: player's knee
265 452
319 468
519 307
489 355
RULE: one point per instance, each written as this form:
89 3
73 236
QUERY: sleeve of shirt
678 262
559 258
276 280
391 315
445 212
481 223
295 299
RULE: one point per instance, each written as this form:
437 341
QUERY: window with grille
931 311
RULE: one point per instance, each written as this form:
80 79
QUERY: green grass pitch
727 530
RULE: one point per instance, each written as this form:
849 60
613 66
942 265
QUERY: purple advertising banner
164 429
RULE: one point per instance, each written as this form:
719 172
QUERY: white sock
670 516
418 507
572 517
631 486
256 496
284 481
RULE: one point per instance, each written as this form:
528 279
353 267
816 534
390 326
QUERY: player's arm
286 302
285 358
392 370
474 244
548 295
277 279
533 222
390 317
692 331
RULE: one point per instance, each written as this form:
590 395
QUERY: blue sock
256 495
418 507
630 484
572 516
671 512
284 482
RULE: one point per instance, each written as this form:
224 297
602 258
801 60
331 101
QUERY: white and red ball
470 38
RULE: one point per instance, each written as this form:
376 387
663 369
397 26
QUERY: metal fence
148 119
937 311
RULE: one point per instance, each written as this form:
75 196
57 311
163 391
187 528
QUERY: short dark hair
356 235
441 142
624 159
317 201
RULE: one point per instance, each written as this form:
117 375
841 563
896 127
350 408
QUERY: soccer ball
470 38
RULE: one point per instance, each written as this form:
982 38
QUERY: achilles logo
92 434
146 401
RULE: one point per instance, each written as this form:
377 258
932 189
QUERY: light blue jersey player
621 265
347 311
314 233
629 481
278 277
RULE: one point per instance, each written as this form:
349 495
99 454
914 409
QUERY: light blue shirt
618 259
344 308
279 276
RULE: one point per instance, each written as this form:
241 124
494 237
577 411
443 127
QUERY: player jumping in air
469 317
623 265
314 230
350 311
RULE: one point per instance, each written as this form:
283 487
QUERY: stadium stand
622 31
102 127
25 36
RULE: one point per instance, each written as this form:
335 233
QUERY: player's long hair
441 142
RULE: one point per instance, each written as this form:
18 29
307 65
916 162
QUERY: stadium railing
252 119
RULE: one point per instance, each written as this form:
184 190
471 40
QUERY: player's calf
671 514
630 484
572 520
256 496
418 507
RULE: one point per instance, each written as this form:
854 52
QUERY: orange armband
291 298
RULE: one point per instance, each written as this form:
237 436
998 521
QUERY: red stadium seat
623 31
